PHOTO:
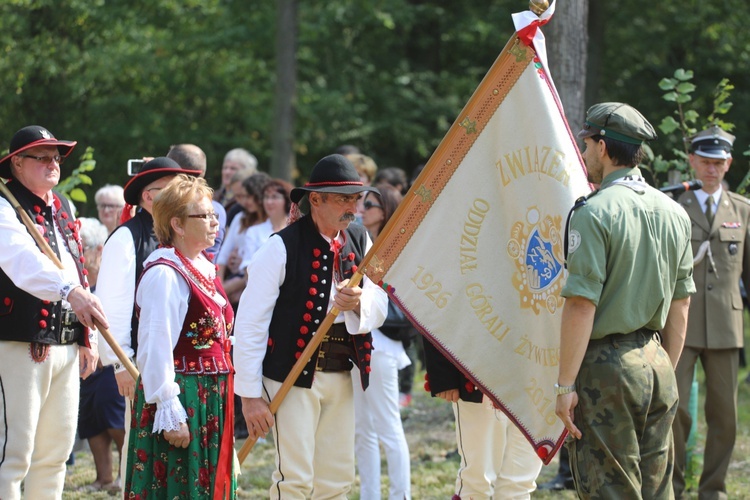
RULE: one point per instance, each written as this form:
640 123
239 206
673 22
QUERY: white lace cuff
169 415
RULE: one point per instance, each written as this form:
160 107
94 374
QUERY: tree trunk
283 163
567 49
597 21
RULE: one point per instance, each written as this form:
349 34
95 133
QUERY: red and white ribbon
527 26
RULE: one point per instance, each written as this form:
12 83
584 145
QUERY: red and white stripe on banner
474 254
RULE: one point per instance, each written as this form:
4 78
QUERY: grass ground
429 429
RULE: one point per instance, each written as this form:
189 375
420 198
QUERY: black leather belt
336 351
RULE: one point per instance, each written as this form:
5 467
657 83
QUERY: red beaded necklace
196 275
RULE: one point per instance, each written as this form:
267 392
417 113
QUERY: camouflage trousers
627 400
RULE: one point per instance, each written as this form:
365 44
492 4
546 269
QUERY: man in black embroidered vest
45 316
122 263
294 279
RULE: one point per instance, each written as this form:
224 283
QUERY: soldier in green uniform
623 324
720 234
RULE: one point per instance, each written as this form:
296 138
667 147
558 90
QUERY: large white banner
474 255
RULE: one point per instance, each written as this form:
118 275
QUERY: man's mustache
349 216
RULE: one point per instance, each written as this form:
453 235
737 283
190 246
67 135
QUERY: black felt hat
332 174
31 137
151 171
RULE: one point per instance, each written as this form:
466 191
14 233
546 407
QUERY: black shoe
558 483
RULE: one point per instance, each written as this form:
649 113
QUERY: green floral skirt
157 469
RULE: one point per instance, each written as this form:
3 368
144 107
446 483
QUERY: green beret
618 121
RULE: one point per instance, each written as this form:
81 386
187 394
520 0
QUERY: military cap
618 121
713 142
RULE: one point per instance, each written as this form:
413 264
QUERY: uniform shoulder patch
574 240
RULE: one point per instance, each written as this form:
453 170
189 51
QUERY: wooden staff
294 373
49 253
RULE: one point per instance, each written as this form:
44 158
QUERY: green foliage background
130 78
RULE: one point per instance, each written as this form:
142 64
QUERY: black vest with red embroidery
303 299
24 317
203 347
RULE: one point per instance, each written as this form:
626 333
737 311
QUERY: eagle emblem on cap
45 134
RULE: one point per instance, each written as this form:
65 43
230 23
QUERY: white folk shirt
266 274
163 296
25 264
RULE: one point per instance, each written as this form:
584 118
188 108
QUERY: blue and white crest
535 245
541 262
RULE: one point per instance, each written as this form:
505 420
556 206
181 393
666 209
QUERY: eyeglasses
209 215
153 189
368 205
105 206
46 160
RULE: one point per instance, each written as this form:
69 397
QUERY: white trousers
124 453
314 438
38 418
497 461
378 419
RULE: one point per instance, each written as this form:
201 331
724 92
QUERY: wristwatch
564 389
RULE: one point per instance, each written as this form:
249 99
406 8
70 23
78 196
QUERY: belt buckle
320 361
68 317
66 334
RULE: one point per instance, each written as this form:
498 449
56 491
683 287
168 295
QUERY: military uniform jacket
629 254
715 318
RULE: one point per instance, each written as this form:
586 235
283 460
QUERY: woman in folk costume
181 438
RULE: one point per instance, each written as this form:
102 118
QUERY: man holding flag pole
294 279
498 186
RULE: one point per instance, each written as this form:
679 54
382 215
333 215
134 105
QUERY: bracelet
564 389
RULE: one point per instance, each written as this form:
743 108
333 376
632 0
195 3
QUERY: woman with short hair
181 441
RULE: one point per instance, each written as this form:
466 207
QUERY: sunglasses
368 205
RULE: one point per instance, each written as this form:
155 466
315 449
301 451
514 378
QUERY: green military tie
710 210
